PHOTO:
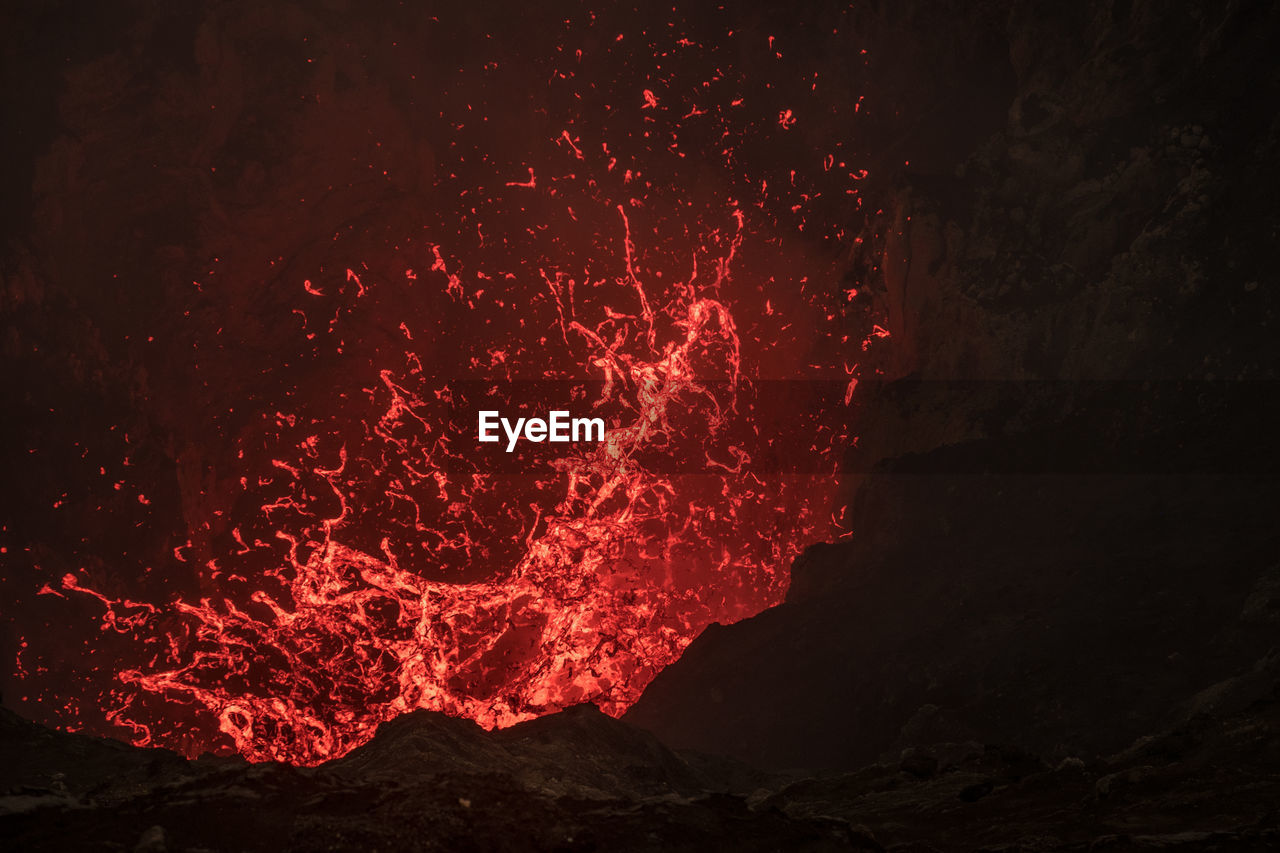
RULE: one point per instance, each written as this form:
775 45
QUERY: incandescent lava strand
393 563
659 237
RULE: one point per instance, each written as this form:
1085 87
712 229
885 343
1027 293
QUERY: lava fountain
377 559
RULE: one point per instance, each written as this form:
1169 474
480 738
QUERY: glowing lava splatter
378 559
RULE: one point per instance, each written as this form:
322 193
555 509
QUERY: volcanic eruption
651 236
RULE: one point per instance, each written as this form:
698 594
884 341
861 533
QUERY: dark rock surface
1068 614
579 780
575 781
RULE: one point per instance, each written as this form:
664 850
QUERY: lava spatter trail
627 549
377 559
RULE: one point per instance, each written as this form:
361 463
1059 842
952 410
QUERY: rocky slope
581 781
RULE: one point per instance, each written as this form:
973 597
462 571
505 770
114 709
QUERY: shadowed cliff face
1060 534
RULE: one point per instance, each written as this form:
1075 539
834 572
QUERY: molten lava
377 559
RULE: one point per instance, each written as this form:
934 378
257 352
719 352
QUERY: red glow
377 559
